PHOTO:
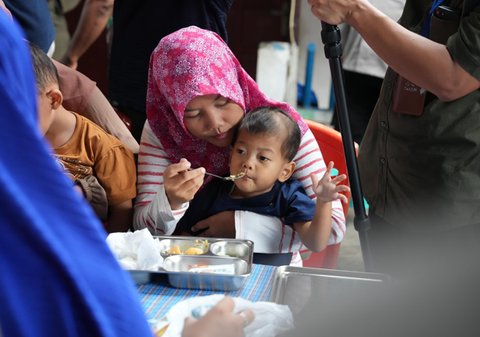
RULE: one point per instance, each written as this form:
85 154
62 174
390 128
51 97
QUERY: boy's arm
309 160
314 234
119 217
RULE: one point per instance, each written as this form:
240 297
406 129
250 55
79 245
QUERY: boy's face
261 158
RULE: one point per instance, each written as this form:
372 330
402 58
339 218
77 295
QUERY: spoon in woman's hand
231 177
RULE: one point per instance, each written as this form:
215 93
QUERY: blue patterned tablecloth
158 298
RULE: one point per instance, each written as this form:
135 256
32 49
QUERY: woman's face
212 118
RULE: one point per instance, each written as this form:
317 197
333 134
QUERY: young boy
263 149
101 167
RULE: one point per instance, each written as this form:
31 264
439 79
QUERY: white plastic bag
270 320
136 250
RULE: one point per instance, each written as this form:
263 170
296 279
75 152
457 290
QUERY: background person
81 94
89 155
419 166
36 22
363 71
92 22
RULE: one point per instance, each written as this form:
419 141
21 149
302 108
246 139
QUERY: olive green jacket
423 172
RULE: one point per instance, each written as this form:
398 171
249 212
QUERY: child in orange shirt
100 165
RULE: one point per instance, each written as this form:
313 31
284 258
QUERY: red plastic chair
330 142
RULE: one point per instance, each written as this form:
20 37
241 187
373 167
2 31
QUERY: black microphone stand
333 52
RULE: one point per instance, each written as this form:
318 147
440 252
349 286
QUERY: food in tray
225 269
198 247
175 250
194 251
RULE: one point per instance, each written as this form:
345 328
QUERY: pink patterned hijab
193 62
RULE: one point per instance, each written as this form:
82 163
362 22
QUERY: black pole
333 52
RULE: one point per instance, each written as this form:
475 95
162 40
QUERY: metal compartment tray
201 263
300 288
327 302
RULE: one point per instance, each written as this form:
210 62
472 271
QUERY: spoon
231 177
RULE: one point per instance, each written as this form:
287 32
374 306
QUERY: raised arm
315 233
310 161
422 61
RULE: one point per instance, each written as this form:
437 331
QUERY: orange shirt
92 151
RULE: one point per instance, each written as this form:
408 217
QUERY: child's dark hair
45 71
271 120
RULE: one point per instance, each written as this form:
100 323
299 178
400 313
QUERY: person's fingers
189 320
343 198
343 188
174 169
330 167
314 180
339 178
181 166
225 304
247 317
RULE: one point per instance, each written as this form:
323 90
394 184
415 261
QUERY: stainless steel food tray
223 265
297 287
326 302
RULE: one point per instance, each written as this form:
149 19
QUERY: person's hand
220 225
327 188
334 12
181 183
219 321
69 62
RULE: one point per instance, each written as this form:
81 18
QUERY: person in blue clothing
264 146
58 276
35 19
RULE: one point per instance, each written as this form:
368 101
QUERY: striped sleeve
152 209
310 161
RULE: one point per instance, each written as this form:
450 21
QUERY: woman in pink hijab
197 94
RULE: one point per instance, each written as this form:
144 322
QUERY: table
158 298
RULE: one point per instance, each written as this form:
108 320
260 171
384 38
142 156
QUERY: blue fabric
58 277
158 298
35 19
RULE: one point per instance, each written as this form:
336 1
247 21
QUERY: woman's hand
181 183
219 321
220 225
